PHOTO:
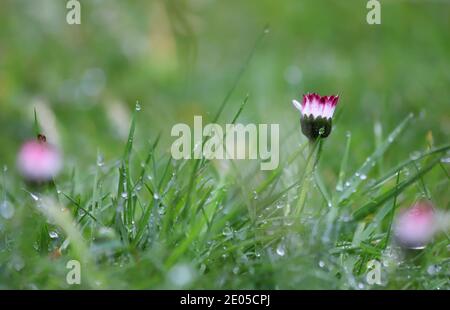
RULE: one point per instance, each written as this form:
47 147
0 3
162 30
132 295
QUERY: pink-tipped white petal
297 105
317 106
328 110
316 109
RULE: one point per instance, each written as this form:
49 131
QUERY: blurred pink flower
38 161
414 227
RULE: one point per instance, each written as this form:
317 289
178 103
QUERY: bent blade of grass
371 206
392 172
78 206
354 181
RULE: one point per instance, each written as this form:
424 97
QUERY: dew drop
100 160
34 197
414 155
138 106
363 176
124 195
289 221
53 234
433 269
255 195
18 263
445 160
281 250
162 211
6 209
227 231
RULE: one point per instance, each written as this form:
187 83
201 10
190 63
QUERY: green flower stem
315 148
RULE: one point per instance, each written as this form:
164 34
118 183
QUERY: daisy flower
316 114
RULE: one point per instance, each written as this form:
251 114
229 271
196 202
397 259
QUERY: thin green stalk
311 162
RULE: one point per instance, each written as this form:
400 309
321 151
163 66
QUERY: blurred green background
180 58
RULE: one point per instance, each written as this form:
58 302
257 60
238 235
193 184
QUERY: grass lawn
107 92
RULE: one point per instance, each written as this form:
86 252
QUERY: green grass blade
373 205
361 174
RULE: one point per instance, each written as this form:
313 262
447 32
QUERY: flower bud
316 115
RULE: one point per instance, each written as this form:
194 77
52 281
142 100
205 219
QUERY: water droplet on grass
53 234
6 209
138 106
255 195
162 210
281 250
288 221
124 195
433 269
100 160
363 176
414 155
227 231
34 197
18 263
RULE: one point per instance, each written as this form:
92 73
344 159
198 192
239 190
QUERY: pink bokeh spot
39 161
415 226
